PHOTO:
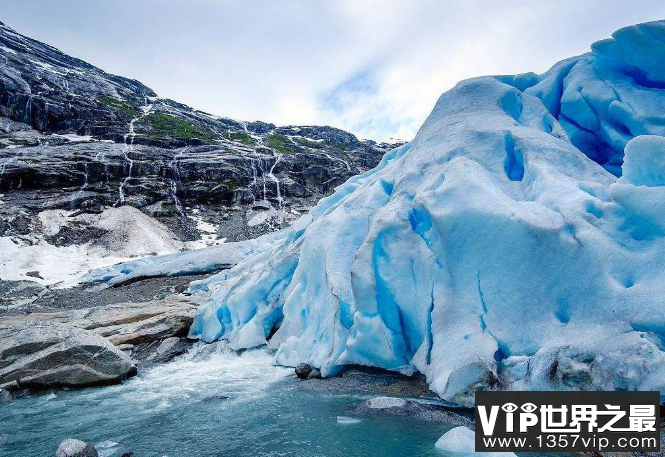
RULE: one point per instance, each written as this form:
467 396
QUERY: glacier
518 242
197 261
607 97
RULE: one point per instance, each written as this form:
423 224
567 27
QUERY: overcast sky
374 68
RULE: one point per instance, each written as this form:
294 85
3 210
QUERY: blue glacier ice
518 242
461 442
613 94
182 263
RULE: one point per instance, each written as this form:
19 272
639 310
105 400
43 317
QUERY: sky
374 68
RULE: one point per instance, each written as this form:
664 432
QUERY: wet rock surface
430 412
122 323
89 336
72 447
42 356
362 380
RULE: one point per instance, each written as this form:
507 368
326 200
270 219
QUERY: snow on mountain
492 251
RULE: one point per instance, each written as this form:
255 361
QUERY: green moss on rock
280 143
309 143
125 107
241 137
165 125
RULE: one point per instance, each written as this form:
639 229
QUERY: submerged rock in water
373 382
215 398
392 406
39 356
72 447
303 370
5 395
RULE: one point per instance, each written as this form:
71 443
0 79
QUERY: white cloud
372 67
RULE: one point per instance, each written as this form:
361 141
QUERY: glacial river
177 410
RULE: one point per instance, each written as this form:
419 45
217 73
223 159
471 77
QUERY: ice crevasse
499 249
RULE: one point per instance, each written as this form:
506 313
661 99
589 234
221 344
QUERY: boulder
72 447
303 370
42 356
34 274
314 374
160 351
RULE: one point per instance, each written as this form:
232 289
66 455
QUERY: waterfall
101 157
175 171
126 152
83 187
28 110
263 176
267 175
338 159
3 166
272 176
128 140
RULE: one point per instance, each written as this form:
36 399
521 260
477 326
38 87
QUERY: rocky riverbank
85 336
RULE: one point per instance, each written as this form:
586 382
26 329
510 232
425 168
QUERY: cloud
371 67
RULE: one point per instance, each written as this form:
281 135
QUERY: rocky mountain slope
76 139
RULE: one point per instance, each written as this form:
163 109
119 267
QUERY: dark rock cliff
74 137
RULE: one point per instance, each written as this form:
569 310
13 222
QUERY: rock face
83 139
76 448
41 356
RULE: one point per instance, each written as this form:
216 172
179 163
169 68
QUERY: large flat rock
47 355
123 323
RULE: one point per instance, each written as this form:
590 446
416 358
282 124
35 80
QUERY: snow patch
260 218
130 234
207 230
72 137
